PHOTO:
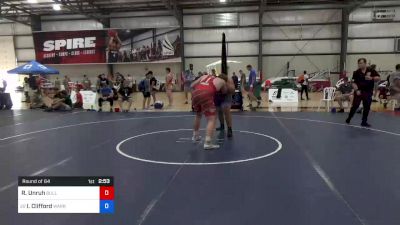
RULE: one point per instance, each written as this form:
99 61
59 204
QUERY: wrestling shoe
230 133
365 124
210 146
196 138
221 128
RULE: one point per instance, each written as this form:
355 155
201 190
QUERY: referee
363 85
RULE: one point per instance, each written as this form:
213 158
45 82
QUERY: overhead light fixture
32 1
222 1
57 7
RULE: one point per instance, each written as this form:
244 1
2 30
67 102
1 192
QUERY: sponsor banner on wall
108 46
285 95
66 47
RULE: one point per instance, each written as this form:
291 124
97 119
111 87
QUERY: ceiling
21 10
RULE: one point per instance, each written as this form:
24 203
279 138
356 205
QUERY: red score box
106 193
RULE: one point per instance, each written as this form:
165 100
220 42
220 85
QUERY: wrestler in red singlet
203 93
203 96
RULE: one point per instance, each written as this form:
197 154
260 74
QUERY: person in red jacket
79 100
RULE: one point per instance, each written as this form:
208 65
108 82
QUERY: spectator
143 53
106 94
125 57
303 80
87 84
34 93
235 79
134 54
116 86
147 53
145 88
169 85
3 86
394 87
188 78
79 100
26 90
376 92
66 83
243 82
129 79
61 102
363 85
267 84
32 82
199 74
213 73
252 83
153 84
57 83
125 93
346 94
102 80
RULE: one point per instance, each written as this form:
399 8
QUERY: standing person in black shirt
363 85
153 84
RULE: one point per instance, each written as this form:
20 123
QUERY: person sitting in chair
346 94
79 99
394 87
106 94
125 95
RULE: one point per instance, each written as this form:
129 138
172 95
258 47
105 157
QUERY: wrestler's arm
230 85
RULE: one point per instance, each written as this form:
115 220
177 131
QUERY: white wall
302 32
366 14
145 22
7 54
302 16
71 25
388 32
296 47
139 70
23 41
383 62
245 48
232 34
199 64
245 51
276 65
76 72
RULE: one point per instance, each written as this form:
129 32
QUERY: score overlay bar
65 195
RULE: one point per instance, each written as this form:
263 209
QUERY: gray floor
325 173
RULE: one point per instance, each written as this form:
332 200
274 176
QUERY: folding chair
328 98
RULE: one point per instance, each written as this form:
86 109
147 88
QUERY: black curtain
224 64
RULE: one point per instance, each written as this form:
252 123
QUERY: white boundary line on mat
118 148
90 123
179 116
